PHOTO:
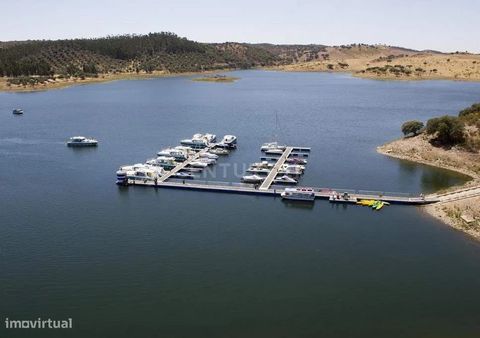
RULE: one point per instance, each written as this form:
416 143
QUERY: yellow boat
366 202
379 205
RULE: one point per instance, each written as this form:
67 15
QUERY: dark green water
143 263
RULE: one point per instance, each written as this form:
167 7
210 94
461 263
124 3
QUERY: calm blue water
166 263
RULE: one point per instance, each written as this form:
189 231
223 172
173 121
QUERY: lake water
141 262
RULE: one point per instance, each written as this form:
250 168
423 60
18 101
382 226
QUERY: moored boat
198 164
258 170
285 180
183 175
274 151
139 171
210 137
263 165
228 141
272 145
177 154
165 162
209 155
198 141
296 160
299 194
219 151
253 179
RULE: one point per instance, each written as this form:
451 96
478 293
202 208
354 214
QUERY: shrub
412 127
471 115
474 109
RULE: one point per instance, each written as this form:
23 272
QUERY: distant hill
28 63
389 62
126 53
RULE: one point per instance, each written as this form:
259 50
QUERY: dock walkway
273 173
320 193
182 165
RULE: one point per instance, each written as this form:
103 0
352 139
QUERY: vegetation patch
216 78
449 131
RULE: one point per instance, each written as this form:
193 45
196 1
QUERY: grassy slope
385 62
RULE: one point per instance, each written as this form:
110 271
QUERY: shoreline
102 78
451 213
372 76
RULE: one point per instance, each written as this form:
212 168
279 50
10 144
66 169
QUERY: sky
420 24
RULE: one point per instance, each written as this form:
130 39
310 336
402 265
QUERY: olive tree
448 130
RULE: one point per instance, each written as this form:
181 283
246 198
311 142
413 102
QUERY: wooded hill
126 53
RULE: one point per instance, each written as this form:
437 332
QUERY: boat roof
299 189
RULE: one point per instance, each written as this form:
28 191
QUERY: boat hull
84 144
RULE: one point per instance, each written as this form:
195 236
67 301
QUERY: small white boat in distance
253 179
272 145
299 194
18 111
81 141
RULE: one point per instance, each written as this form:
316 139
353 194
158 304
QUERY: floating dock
320 193
268 188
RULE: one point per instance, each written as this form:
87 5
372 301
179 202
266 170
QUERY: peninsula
452 143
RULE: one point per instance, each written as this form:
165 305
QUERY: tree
412 127
474 109
448 130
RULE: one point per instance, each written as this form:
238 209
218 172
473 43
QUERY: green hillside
126 53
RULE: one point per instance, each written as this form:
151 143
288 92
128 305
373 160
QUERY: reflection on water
305 205
431 178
